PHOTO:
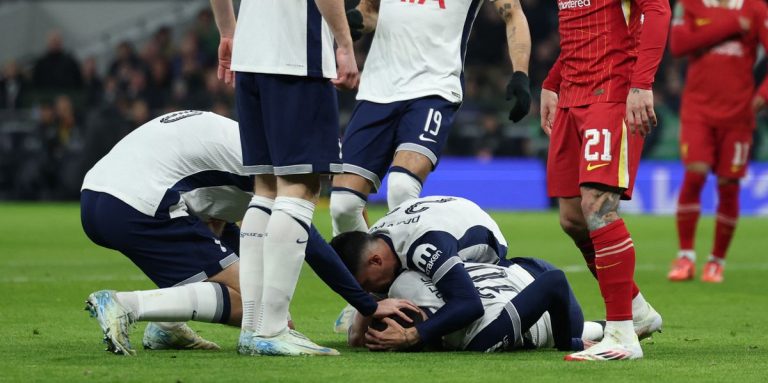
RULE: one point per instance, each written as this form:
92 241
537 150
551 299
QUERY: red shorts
724 149
591 144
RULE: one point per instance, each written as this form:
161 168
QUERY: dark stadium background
65 100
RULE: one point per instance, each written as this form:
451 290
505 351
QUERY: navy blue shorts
376 131
536 267
170 252
288 124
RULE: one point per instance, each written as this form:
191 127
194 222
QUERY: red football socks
727 216
588 252
688 208
615 266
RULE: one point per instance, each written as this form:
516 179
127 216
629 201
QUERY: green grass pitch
711 333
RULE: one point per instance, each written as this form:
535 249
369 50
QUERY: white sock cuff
712 258
260 201
690 254
297 208
401 187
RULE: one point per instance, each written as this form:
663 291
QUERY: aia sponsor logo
729 48
573 4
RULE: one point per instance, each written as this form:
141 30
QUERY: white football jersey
418 50
287 37
496 285
433 234
182 163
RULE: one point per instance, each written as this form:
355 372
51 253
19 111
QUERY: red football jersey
606 47
719 86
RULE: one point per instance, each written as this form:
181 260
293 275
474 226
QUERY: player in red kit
597 107
720 39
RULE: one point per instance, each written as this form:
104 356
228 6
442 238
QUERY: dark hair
351 248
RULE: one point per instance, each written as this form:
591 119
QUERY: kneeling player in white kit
435 236
524 309
167 196
410 89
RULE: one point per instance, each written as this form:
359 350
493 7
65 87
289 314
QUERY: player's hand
519 92
393 306
758 103
354 19
394 337
640 117
225 61
548 110
346 69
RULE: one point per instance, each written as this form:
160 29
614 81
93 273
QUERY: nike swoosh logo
591 167
702 22
606 267
421 137
300 241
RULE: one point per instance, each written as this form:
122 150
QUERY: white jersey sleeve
434 234
287 37
496 285
418 50
178 164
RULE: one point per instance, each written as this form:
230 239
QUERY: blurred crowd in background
59 115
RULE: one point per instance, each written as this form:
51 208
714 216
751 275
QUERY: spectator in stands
92 84
56 69
207 36
13 85
125 61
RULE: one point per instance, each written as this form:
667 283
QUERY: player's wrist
641 85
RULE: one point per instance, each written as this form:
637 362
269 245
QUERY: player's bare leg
615 266
284 247
688 212
406 176
725 225
349 197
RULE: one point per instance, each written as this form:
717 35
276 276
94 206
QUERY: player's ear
375 260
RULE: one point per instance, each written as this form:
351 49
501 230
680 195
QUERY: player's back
179 152
719 83
418 50
287 37
598 39
496 286
475 234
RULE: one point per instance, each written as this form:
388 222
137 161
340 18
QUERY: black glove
354 19
519 92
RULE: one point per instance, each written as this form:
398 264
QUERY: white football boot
114 319
647 322
175 336
287 343
344 320
614 346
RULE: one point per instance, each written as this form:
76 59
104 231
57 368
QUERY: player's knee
235 307
402 185
347 210
698 167
728 181
573 225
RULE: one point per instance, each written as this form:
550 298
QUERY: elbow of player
475 309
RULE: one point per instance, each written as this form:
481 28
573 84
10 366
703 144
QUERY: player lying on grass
527 305
435 236
167 196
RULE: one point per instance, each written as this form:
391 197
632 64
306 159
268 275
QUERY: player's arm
335 15
640 116
356 334
761 23
362 16
549 96
690 34
519 43
436 256
224 14
321 257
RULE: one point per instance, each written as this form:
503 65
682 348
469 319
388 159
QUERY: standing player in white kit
410 89
283 54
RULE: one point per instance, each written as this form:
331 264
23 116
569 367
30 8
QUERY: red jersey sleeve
554 78
760 21
691 33
653 39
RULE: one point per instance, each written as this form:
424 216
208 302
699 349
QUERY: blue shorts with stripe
170 251
288 124
377 131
